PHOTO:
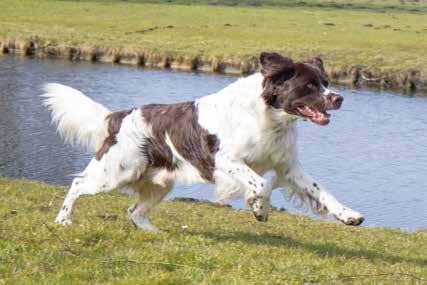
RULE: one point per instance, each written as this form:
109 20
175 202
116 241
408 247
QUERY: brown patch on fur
193 143
114 121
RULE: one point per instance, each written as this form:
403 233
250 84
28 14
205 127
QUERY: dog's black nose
337 100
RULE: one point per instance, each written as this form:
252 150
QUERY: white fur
78 118
325 91
253 139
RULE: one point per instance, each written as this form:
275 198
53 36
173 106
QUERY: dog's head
299 88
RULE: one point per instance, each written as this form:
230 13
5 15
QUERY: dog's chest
275 146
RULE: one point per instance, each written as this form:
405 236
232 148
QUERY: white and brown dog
230 138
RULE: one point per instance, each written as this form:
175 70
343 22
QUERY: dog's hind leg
149 195
64 214
118 162
80 185
98 177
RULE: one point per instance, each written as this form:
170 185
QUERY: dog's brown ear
273 64
316 61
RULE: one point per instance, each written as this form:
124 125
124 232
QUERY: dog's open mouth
315 115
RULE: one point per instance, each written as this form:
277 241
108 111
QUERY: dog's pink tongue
320 118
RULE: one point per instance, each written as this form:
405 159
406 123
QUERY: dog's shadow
321 249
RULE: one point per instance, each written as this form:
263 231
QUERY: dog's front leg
297 181
258 189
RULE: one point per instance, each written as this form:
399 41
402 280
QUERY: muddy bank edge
355 75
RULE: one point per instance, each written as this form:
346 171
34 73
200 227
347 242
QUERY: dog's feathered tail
79 119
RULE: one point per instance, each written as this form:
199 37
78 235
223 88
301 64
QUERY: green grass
381 36
200 244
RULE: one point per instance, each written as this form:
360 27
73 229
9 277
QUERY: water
372 156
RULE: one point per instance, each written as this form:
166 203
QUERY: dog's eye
312 86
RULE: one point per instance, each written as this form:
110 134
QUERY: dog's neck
246 93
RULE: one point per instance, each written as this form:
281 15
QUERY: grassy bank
200 244
383 41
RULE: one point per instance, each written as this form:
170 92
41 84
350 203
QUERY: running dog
230 138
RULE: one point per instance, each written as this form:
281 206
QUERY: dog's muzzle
333 101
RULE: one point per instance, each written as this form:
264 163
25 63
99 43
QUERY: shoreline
206 202
407 81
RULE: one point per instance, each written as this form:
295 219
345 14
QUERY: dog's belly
164 177
265 166
260 167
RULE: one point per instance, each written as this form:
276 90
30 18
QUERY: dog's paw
145 226
141 222
260 207
350 217
149 228
63 221
354 221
